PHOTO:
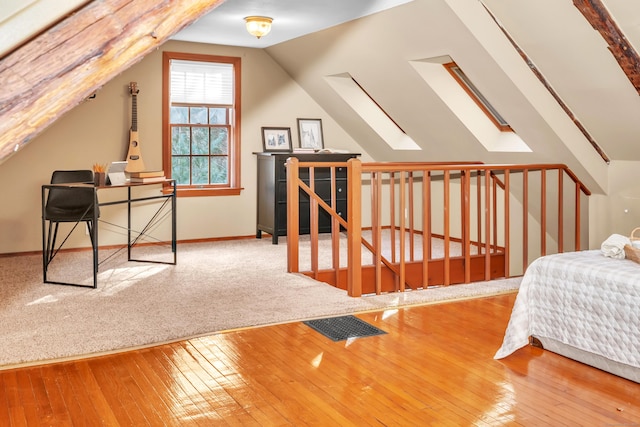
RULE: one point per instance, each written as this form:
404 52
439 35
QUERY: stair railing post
293 212
354 227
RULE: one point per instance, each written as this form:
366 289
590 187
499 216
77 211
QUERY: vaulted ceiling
563 86
542 64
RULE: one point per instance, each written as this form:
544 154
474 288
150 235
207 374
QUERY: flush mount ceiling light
258 26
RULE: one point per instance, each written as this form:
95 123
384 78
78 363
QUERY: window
477 96
201 117
463 101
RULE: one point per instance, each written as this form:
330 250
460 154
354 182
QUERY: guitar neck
134 113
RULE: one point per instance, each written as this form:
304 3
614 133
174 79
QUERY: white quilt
582 299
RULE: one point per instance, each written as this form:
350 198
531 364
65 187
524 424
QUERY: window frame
233 187
477 96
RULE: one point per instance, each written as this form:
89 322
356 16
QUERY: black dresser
272 192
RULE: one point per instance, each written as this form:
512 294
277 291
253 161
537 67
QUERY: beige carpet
215 287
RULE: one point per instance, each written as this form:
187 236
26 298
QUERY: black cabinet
272 192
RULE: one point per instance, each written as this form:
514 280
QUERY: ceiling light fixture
258 26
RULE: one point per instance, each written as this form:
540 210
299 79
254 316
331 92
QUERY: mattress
581 300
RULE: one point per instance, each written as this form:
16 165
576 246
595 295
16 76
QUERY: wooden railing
401 212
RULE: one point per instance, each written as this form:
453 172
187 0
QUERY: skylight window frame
474 93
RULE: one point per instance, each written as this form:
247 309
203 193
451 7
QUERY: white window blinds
196 82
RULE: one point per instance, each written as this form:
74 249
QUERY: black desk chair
68 204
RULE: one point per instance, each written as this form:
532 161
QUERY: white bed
582 305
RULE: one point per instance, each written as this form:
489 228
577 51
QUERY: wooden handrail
490 237
432 166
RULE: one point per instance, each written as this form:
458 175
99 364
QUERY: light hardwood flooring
434 366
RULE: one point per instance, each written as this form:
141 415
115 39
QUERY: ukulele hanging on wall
134 156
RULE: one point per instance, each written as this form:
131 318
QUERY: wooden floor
433 367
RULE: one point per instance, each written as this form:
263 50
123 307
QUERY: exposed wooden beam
551 90
58 69
598 16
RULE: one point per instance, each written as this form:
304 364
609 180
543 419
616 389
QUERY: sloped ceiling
572 57
385 49
576 60
23 19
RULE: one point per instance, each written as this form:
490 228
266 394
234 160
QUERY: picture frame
310 133
276 139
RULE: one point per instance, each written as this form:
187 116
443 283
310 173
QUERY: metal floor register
343 327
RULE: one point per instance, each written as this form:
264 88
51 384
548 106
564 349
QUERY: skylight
477 96
371 112
470 107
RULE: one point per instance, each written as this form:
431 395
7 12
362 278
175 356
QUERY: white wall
619 211
97 132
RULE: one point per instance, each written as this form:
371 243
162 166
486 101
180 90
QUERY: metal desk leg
173 223
128 223
94 237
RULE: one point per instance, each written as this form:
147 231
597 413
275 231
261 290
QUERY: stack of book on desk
147 176
304 150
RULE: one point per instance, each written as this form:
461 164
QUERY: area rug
215 287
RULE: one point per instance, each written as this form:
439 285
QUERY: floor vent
343 327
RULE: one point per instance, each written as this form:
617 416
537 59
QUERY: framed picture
276 139
310 133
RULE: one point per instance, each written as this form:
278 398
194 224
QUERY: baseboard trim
106 247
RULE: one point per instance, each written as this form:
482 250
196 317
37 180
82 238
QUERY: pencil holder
99 179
